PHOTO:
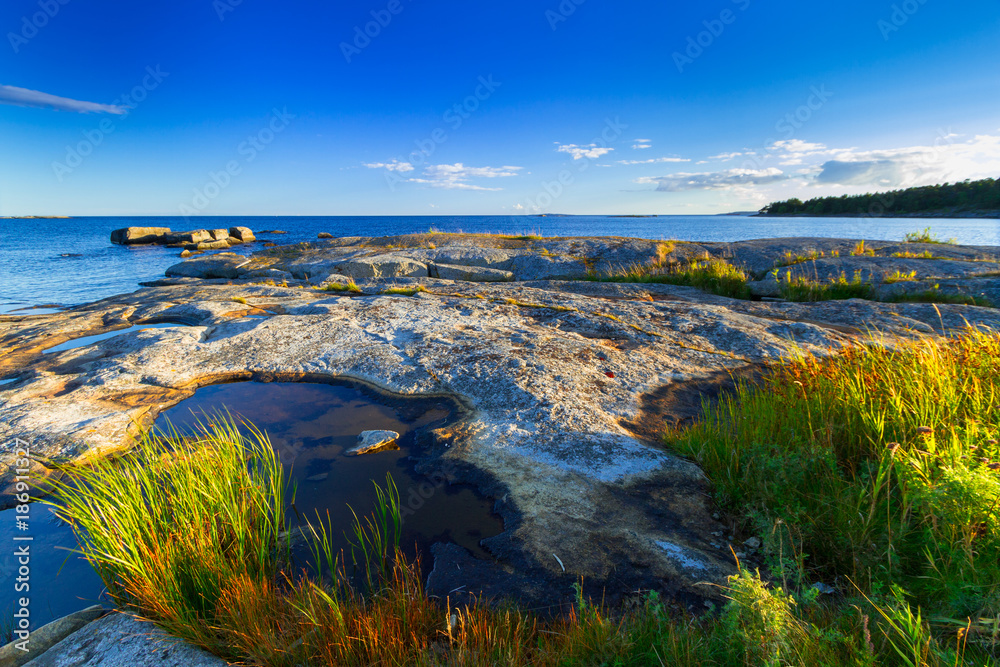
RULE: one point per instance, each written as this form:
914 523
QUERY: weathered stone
118 640
209 245
139 235
186 253
370 442
195 236
219 234
470 273
47 636
324 235
243 234
382 266
223 265
267 274
877 269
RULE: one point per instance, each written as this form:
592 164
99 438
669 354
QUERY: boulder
219 234
118 640
268 274
223 265
370 442
139 235
209 245
474 274
324 235
49 635
382 266
243 234
194 236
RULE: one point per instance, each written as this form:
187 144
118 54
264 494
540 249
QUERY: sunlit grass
712 275
925 236
934 294
877 467
349 286
898 276
801 288
405 291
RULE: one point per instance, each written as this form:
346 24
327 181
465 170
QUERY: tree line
952 197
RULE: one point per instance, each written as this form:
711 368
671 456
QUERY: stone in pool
370 442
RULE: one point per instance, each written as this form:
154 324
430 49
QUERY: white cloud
23 97
723 156
642 143
798 147
394 165
590 151
456 176
945 161
719 180
654 160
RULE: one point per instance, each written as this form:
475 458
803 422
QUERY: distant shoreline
35 217
928 215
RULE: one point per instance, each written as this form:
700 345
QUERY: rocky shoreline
568 380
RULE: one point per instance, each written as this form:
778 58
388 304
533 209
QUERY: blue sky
249 107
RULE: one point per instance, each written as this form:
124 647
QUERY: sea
65 262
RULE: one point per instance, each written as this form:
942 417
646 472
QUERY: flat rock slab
118 640
472 274
47 636
223 265
877 269
139 235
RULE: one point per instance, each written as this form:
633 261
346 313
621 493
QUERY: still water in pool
312 425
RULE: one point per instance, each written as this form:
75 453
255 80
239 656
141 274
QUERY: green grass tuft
926 237
805 289
349 286
935 295
878 467
405 291
716 276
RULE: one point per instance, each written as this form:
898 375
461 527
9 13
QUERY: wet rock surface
568 383
370 442
47 636
118 640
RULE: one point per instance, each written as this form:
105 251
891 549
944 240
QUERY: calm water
72 261
310 426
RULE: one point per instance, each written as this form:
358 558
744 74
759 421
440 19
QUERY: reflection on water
60 582
90 340
312 425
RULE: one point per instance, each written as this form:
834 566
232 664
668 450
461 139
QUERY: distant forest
967 196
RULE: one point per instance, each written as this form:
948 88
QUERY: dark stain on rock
681 403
